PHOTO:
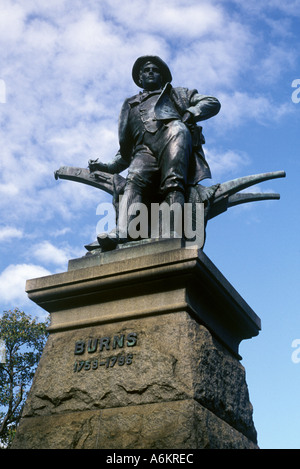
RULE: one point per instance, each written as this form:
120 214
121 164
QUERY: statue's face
150 77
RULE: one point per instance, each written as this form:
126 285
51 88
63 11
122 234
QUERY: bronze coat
172 104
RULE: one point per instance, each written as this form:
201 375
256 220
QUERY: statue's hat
163 67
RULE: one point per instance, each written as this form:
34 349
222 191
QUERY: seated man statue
160 143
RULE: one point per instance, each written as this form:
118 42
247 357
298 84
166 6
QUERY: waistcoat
142 117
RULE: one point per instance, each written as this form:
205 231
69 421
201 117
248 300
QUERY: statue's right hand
96 165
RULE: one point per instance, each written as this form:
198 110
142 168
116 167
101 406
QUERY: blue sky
65 71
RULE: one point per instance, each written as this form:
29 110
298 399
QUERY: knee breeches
161 161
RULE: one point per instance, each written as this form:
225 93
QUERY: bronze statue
160 144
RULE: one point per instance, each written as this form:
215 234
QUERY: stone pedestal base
143 353
172 425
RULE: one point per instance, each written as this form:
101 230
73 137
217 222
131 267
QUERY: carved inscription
102 345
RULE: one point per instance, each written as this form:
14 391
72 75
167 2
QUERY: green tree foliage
24 339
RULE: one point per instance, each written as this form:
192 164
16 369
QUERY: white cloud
11 22
46 253
274 63
175 18
13 279
61 232
9 232
7 190
239 107
225 164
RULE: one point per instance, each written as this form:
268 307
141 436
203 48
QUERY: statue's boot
109 241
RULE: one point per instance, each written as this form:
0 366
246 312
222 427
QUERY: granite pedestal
143 352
